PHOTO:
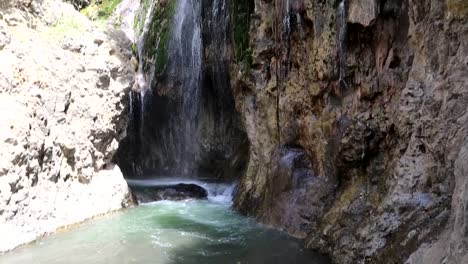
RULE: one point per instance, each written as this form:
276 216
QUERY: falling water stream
342 32
191 231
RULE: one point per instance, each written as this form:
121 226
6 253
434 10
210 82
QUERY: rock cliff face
356 113
63 90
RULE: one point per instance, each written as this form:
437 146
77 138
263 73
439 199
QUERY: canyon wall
356 114
64 87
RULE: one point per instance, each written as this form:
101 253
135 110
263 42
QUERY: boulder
176 192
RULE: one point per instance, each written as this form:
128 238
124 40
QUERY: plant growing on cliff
241 11
158 37
100 9
70 26
140 16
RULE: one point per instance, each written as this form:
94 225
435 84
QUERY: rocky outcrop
63 94
356 115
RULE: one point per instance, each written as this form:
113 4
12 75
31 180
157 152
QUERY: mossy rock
157 40
140 17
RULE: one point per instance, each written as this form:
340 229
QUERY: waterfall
290 11
342 32
287 20
218 24
218 21
185 66
184 122
126 12
141 78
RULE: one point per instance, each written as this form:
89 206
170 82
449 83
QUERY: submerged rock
176 192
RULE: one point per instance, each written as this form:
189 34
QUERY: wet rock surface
176 192
372 112
63 113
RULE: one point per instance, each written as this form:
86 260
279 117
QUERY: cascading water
185 66
184 121
291 18
143 80
219 25
287 19
142 84
342 32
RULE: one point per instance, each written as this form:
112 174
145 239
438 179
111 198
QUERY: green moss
140 16
158 38
162 53
241 11
101 10
134 49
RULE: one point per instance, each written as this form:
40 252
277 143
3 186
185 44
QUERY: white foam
217 192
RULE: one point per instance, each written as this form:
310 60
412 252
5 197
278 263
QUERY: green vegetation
140 17
134 49
241 11
159 36
100 10
66 26
162 52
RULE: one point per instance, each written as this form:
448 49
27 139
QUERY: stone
4 39
362 12
103 82
146 194
73 45
458 8
14 19
98 42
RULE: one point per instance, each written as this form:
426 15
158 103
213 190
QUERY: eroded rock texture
63 90
357 117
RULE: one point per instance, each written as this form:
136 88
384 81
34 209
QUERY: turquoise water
167 232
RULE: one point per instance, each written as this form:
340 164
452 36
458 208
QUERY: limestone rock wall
63 90
356 113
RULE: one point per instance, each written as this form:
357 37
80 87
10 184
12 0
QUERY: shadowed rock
176 192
